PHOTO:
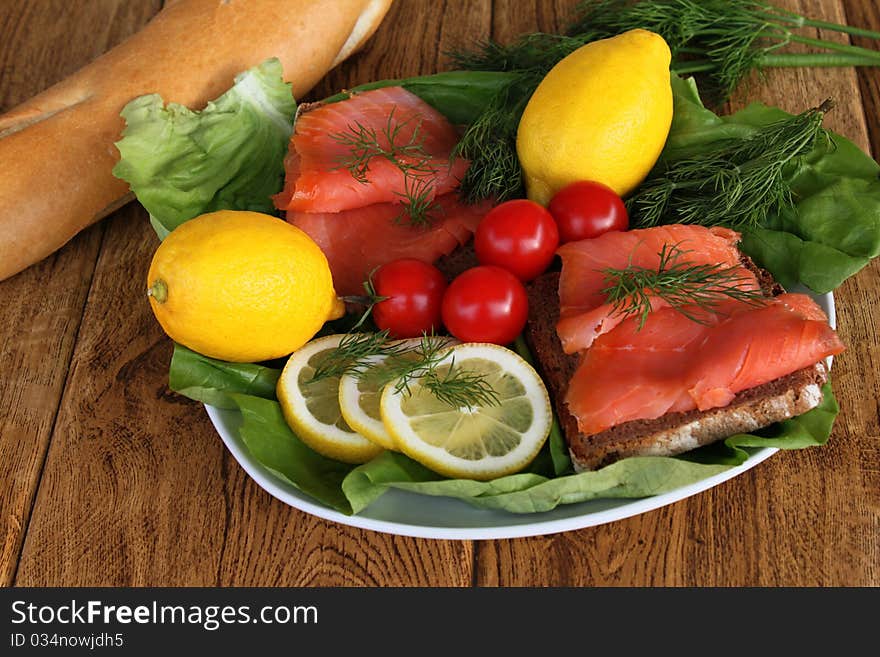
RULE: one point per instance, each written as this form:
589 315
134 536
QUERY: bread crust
673 433
60 143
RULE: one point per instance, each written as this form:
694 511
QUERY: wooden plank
859 309
41 308
808 517
138 488
510 18
411 41
866 14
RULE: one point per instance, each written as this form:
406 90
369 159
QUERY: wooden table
108 478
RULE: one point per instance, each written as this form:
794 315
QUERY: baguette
58 147
673 433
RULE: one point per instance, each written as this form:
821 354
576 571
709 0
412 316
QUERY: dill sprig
422 363
364 143
490 144
410 363
536 52
736 183
724 40
691 289
460 388
420 206
353 353
405 363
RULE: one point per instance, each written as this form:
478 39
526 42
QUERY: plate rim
635 506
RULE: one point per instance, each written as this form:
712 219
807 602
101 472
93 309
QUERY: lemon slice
312 409
479 442
359 396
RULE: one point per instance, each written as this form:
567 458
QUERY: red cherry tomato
415 293
485 304
587 209
520 236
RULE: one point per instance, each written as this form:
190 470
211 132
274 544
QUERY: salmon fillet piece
674 364
316 177
585 313
359 240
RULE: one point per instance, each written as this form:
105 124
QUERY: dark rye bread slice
672 433
461 259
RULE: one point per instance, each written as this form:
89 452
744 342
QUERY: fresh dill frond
736 182
457 387
490 144
405 363
460 388
536 53
353 353
691 289
419 205
723 39
422 363
364 144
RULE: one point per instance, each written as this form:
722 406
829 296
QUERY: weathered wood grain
510 18
138 488
867 15
808 517
41 308
411 41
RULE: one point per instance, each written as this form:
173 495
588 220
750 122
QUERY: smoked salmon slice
629 374
673 363
359 240
329 139
584 311
749 348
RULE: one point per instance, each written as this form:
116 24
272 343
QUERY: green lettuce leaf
181 163
459 95
271 442
213 381
834 228
634 477
526 492
811 429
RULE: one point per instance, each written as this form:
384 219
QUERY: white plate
411 514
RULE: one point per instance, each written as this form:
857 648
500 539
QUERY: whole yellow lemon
603 113
241 286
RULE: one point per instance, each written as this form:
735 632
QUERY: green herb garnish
490 145
724 40
406 363
457 387
691 289
365 143
353 353
419 204
738 183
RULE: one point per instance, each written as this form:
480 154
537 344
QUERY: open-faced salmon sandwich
658 341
